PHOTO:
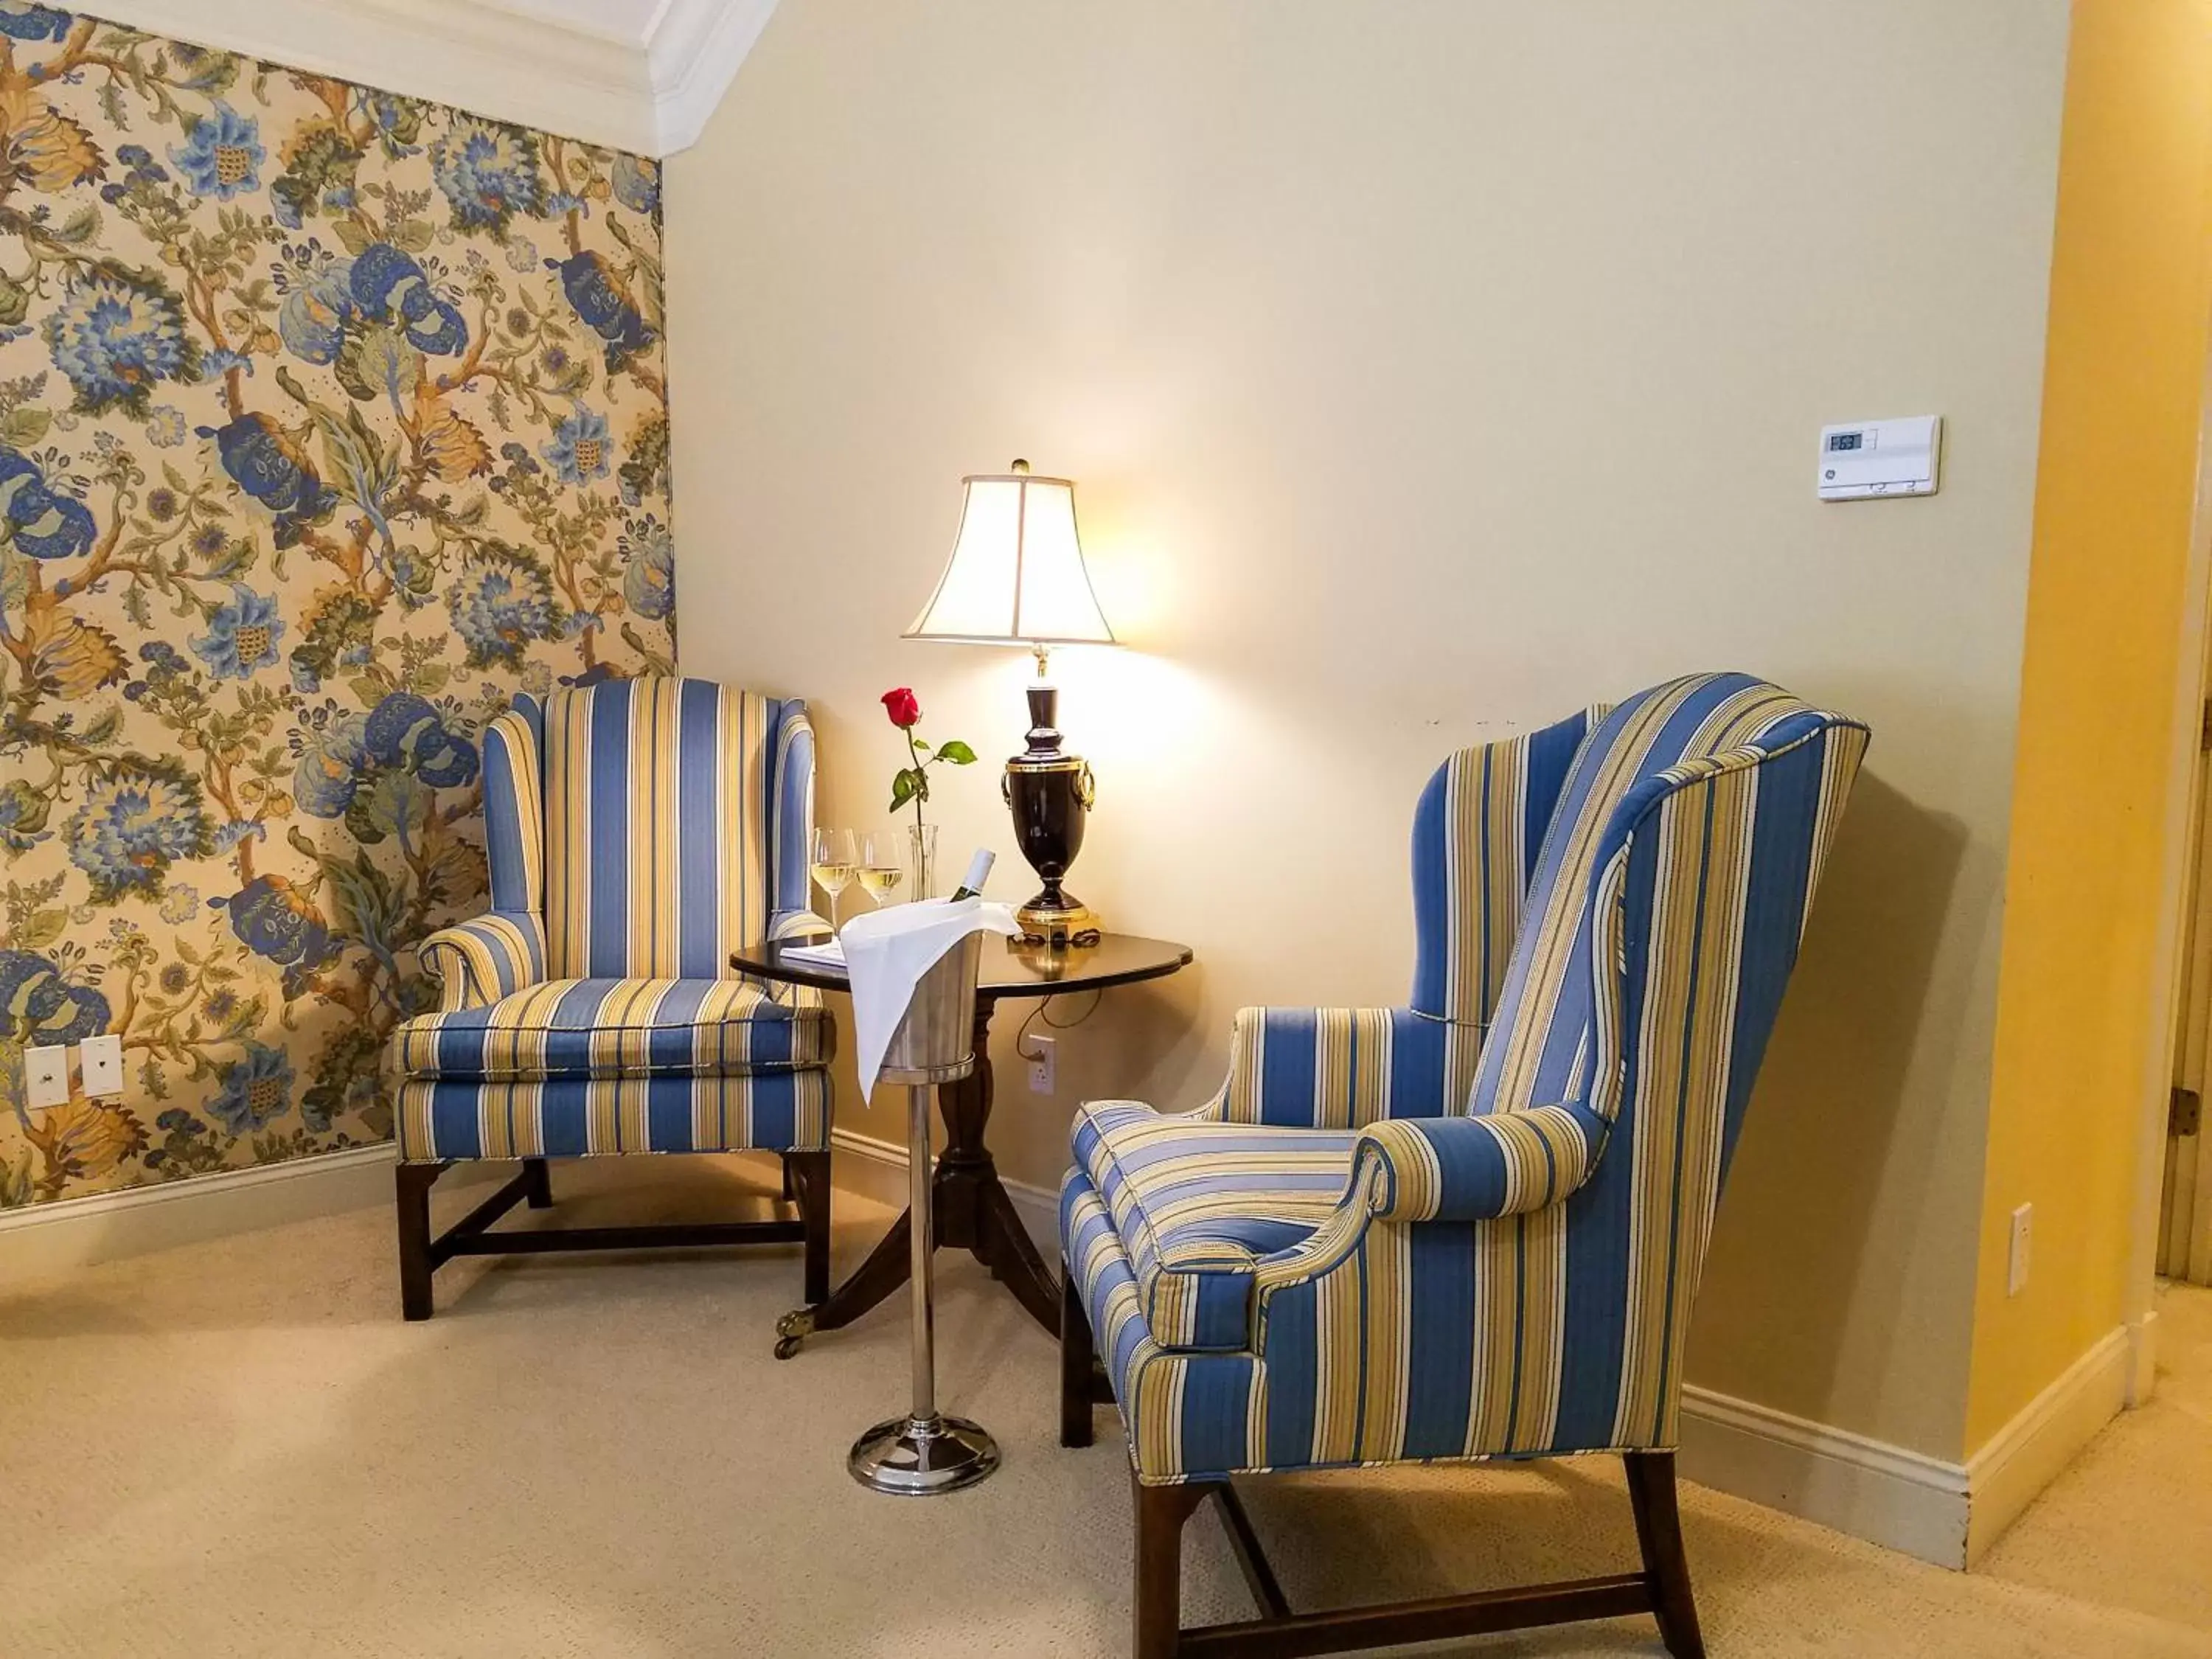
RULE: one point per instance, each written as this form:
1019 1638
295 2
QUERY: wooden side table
970 1207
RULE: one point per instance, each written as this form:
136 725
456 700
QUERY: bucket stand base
911 1458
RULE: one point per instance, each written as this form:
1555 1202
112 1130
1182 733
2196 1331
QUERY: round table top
1010 969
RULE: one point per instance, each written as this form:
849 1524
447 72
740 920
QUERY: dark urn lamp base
1050 793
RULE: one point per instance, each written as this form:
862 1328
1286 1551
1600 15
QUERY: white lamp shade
1016 573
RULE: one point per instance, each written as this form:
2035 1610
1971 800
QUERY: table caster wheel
791 1330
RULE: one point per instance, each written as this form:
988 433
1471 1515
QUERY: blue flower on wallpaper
39 1003
43 523
579 451
501 601
649 581
241 635
32 22
636 183
274 919
312 322
275 471
384 279
138 817
489 171
331 768
403 730
600 297
23 815
222 155
255 1090
114 339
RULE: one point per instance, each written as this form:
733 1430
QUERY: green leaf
378 362
350 233
956 751
26 426
79 228
46 927
414 235
904 786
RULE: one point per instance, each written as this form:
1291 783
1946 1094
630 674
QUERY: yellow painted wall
2087 891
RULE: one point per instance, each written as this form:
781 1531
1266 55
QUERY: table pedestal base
969 1209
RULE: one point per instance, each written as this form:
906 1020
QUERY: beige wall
1428 370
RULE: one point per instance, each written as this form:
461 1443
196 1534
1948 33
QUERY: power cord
1022 1036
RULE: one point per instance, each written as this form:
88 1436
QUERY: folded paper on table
886 953
829 953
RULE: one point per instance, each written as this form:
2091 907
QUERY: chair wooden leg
1659 1532
1077 1358
411 1185
806 1176
1157 1612
539 1189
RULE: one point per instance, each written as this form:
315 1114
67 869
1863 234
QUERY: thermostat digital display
1868 460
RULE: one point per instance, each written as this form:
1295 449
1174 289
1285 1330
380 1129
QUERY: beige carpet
239 1449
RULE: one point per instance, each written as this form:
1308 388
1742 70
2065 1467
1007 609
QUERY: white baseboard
876 1169
2021 1459
2142 1359
1889 1495
41 1239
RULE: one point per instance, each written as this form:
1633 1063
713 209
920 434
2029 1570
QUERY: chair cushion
621 1028
1198 1203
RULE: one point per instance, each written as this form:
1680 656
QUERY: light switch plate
45 1075
101 1060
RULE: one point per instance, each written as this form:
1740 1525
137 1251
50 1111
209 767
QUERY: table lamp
1016 577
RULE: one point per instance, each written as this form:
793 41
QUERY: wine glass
833 860
879 869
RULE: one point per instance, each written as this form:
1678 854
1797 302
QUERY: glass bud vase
921 856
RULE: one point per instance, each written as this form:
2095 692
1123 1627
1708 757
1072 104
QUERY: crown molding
693 50
651 95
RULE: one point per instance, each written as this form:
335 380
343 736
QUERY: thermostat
1866 460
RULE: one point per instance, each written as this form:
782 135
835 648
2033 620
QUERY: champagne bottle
978 871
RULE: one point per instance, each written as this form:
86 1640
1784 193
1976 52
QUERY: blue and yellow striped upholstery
785 1111
614 1028
637 832
1197 1202
1513 1274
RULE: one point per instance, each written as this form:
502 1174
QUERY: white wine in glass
833 862
879 869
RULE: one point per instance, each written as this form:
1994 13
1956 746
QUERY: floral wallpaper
328 419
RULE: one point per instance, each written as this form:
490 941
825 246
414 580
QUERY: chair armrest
480 960
1409 1170
1476 1169
1337 1068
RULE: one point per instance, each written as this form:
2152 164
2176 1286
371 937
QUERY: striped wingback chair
1472 1227
638 831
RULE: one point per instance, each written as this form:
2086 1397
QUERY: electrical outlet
2016 1262
1040 1056
45 1075
100 1059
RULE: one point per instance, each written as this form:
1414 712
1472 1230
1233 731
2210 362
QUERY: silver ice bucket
935 1042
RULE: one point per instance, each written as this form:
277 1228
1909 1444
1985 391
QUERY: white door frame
2162 1025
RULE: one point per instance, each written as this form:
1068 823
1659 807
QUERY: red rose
903 706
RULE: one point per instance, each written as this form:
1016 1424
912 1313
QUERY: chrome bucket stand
926 1452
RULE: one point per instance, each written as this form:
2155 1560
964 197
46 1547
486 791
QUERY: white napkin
887 952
